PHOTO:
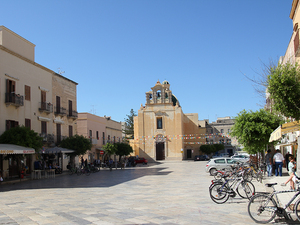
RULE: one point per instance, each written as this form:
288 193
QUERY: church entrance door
160 151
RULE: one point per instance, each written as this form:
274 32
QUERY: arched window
158 94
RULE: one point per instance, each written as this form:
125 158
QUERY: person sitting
293 176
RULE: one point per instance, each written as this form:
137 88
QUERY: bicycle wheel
261 208
70 171
245 189
87 172
218 175
79 172
297 209
218 193
259 176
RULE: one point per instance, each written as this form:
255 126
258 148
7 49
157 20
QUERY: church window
159 123
150 96
158 94
166 95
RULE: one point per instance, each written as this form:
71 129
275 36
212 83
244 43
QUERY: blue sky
117 50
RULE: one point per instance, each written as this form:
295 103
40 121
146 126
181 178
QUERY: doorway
160 151
189 153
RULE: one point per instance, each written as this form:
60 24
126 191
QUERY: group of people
278 160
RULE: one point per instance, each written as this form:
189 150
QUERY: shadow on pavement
104 178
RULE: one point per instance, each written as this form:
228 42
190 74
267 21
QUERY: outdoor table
36 174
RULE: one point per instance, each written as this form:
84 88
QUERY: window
222 130
57 104
28 123
158 94
108 138
70 108
27 93
43 100
97 135
159 123
103 137
44 127
90 134
70 131
220 161
11 124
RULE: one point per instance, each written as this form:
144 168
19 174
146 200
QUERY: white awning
55 150
15 149
276 134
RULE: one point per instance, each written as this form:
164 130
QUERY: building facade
28 93
100 130
162 131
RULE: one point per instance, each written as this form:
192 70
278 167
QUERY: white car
242 158
220 163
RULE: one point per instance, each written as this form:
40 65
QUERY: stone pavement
169 193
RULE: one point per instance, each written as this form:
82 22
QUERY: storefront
56 156
15 159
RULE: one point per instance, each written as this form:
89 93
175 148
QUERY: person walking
278 160
269 163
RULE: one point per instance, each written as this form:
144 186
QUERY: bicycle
263 207
73 170
220 191
85 171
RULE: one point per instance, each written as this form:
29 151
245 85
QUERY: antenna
60 72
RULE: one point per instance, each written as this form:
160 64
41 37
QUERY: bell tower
160 94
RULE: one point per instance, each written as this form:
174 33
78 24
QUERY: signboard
101 152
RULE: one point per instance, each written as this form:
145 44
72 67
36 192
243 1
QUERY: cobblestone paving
167 193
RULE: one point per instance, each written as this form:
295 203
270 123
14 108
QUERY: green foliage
22 136
110 149
284 89
78 143
209 149
123 149
129 125
253 129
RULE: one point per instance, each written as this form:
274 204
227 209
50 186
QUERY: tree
78 143
22 136
123 149
253 129
209 149
284 89
110 149
129 125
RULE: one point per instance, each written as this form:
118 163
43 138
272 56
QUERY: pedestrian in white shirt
278 160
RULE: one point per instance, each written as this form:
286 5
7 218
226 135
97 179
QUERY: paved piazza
167 193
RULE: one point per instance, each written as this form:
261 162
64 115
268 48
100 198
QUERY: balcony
14 99
73 114
46 107
60 111
59 138
47 138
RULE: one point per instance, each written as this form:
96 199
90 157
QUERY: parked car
141 160
220 163
201 158
242 158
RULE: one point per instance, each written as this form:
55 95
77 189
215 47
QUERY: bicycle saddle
271 184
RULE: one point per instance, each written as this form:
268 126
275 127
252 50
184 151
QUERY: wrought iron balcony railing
46 107
73 114
60 111
14 99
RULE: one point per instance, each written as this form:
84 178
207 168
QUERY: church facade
162 131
